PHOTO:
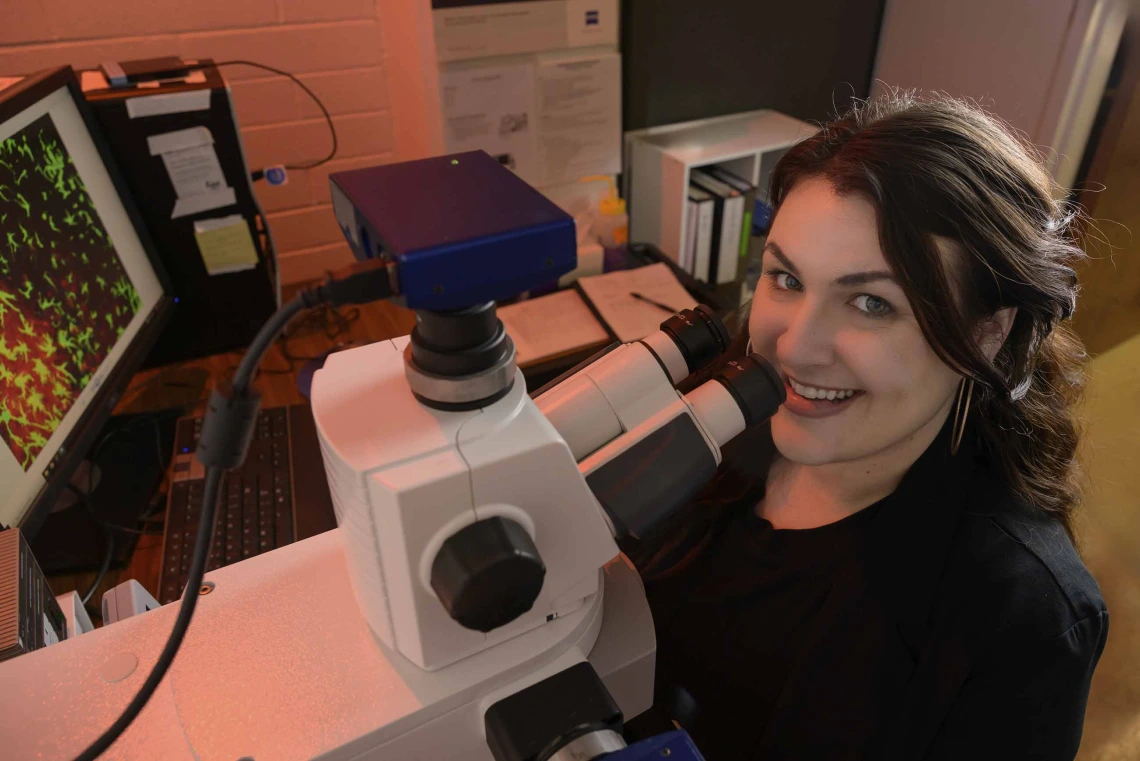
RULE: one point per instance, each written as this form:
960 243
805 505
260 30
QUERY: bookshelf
658 161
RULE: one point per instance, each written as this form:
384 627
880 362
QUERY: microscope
473 603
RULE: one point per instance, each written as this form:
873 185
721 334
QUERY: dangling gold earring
961 410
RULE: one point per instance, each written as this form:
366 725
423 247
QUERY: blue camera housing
460 229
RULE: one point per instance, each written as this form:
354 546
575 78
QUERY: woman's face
861 378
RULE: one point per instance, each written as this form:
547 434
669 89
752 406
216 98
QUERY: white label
169 103
218 199
194 171
179 140
50 637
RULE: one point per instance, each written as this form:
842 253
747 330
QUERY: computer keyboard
255 507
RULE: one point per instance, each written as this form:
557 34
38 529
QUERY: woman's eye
872 306
786 282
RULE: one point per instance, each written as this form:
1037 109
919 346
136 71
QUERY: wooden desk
166 387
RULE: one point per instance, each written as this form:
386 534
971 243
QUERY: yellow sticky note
225 244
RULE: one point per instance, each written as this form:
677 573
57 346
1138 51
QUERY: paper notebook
547 327
629 318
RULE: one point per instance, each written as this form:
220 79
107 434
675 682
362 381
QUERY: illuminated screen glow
64 294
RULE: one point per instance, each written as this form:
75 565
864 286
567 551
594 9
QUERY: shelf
659 161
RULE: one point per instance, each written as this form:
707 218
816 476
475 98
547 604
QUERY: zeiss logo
591 18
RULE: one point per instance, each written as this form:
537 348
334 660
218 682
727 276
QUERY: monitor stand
121 478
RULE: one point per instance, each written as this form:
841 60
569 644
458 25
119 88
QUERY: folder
726 227
702 207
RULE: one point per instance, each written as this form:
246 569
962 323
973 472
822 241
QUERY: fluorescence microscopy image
64 295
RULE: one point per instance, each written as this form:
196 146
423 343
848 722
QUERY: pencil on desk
657 304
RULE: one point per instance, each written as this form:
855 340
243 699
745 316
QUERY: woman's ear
993 332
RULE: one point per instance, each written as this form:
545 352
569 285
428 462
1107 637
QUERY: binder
726 227
748 190
688 247
703 204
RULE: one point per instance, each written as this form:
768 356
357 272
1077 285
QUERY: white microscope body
336 646
405 477
475 556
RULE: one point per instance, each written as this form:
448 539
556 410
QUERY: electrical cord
259 173
108 557
332 321
226 433
85 500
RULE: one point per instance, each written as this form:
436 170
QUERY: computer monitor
82 296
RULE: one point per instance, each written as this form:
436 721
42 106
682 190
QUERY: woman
887 571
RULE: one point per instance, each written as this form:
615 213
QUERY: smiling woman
887 569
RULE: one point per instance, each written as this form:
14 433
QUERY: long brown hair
942 170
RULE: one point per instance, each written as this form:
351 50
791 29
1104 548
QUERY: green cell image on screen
64 295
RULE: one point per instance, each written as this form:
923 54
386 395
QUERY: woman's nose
807 340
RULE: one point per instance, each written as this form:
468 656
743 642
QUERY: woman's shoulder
1019 569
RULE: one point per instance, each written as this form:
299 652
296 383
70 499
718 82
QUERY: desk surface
166 387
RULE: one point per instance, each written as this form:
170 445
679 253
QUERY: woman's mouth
817 401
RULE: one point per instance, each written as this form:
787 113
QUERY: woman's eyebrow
771 248
853 278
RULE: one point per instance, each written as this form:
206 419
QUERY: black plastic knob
488 574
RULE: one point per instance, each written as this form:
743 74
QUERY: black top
728 632
949 621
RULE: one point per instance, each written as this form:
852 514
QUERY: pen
657 304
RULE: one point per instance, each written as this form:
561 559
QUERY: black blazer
967 628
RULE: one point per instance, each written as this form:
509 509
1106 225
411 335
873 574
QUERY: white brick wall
336 47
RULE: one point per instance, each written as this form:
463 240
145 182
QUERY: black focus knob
488 574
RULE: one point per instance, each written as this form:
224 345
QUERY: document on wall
491 108
579 117
194 170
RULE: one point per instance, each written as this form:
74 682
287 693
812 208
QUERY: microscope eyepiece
755 385
699 334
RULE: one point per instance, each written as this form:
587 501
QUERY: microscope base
280 664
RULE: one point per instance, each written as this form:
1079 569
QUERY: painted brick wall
337 47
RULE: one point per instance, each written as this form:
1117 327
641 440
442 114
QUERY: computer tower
212 313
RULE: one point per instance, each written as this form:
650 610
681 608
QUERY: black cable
264 339
261 342
234 417
85 500
181 624
299 83
108 557
332 321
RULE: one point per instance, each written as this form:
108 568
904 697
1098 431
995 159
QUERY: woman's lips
815 408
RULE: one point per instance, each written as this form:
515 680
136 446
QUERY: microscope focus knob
488 573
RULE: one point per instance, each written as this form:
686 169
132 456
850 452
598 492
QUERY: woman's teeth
810 392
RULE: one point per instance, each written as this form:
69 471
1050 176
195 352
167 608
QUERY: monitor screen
76 286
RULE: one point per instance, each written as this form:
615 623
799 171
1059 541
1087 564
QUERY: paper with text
629 318
548 326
